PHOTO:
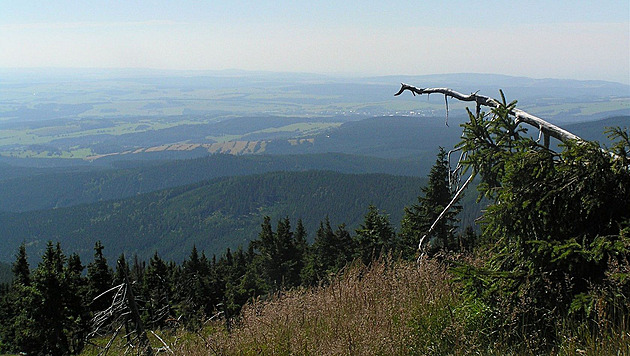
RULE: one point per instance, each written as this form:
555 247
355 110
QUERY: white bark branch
482 100
447 208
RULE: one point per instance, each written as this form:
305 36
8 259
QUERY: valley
116 156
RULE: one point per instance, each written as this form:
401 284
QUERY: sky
567 39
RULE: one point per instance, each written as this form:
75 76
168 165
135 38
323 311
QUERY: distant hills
119 112
387 137
595 130
213 215
372 145
34 189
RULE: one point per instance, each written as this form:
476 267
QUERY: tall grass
386 308
371 310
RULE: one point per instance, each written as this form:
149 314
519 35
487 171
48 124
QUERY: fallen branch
447 208
481 100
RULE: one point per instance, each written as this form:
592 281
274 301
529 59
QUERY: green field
94 114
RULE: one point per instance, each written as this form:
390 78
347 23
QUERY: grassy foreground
385 309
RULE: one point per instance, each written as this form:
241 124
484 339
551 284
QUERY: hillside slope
75 186
213 215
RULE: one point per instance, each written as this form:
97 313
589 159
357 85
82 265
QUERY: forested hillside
35 189
5 273
596 130
212 215
383 136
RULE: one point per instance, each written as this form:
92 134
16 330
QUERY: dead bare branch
446 209
482 100
163 343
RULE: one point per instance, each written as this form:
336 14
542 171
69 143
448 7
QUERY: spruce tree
194 289
51 315
76 304
157 292
556 231
330 252
279 255
21 269
18 332
100 278
301 248
419 217
375 236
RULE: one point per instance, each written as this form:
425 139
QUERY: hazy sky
559 39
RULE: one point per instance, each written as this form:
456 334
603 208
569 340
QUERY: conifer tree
18 323
375 236
194 289
122 269
279 255
75 303
556 229
51 318
100 278
137 270
330 252
419 217
157 292
21 269
301 248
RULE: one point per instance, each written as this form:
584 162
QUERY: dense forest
48 309
212 215
26 189
55 308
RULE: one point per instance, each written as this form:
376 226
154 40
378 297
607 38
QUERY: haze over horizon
581 40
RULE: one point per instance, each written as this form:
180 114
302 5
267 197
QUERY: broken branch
482 100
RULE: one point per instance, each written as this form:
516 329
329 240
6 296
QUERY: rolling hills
213 215
35 189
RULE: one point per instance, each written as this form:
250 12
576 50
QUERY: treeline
213 215
51 309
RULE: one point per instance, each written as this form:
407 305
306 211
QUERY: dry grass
387 308
365 311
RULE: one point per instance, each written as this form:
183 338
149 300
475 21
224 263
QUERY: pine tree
194 289
301 248
279 255
330 252
375 236
137 270
75 303
18 313
122 270
21 269
556 229
419 217
157 292
100 278
51 318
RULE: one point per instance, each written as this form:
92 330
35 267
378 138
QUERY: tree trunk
135 315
